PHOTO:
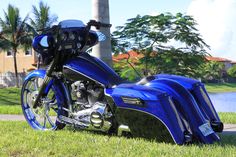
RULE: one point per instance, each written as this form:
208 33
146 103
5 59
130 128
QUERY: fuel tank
86 67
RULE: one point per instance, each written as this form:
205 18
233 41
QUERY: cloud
217 24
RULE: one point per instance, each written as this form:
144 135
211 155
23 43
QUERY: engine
86 94
89 106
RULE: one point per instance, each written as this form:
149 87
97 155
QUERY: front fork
46 80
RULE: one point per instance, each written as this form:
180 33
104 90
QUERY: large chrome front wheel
44 116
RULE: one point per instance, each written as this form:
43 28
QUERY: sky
216 18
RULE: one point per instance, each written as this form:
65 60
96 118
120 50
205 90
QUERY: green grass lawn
10 101
221 87
228 118
17 139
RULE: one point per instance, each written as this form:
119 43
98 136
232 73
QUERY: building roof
217 59
133 55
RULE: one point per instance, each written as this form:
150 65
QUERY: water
224 102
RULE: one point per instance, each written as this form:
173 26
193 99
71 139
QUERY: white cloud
217 24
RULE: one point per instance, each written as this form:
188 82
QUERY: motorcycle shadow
228 138
126 135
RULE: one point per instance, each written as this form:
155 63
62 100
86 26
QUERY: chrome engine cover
95 118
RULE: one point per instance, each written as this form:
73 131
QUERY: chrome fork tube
46 80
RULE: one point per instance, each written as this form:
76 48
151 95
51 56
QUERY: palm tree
15 33
42 18
101 13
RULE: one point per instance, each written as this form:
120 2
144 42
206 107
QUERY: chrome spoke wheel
44 116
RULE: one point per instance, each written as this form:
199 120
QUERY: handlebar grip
105 25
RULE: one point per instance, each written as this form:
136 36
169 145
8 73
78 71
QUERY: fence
8 79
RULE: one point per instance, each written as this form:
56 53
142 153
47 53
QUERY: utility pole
100 12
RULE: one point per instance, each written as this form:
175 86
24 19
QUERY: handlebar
94 23
97 24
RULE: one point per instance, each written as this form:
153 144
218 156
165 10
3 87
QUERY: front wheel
43 117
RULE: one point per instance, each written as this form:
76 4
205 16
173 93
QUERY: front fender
41 74
36 73
57 87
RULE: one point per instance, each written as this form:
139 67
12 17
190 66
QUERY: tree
232 71
42 17
169 43
212 70
14 33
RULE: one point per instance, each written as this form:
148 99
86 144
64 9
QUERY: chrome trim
107 93
67 97
123 128
208 100
132 100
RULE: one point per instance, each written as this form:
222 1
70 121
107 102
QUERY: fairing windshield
78 23
71 23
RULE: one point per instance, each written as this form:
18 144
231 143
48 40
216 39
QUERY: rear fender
198 91
156 113
187 107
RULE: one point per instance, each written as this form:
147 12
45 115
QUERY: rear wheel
43 117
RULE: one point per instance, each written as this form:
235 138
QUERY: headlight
71 36
63 36
78 45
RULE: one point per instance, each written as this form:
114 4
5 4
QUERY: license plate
206 129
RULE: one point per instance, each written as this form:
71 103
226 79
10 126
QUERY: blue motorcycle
80 90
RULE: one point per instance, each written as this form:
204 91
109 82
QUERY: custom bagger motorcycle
82 91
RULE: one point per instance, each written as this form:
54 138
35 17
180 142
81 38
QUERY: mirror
44 42
101 36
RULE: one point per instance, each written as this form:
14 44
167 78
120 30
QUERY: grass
17 139
221 87
5 109
228 117
10 101
10 96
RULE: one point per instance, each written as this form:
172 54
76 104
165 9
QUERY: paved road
228 128
4 117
